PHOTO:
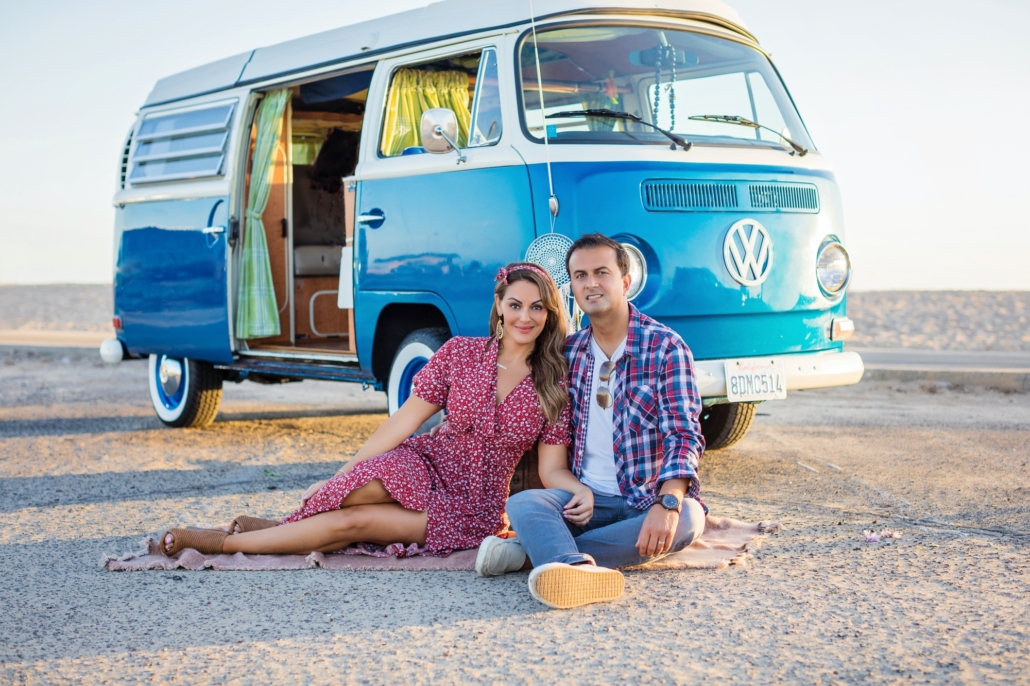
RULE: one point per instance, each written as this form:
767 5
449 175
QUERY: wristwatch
670 502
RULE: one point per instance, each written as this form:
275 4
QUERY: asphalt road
86 469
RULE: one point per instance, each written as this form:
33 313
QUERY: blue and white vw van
291 212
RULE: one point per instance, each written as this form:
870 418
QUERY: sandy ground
938 320
86 469
941 320
58 307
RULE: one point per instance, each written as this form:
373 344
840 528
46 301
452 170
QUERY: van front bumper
804 370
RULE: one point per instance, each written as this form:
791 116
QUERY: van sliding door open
310 228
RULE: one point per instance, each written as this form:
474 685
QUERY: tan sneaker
498 556
562 586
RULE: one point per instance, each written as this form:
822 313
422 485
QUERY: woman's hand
312 490
580 509
554 472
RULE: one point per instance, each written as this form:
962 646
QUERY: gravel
86 469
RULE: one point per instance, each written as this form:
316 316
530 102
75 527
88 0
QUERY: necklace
502 366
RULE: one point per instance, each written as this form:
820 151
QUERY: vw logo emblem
747 252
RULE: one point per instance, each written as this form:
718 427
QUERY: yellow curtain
412 93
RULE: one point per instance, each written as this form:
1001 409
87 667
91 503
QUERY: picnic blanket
724 542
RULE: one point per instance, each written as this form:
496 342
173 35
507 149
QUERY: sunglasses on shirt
604 396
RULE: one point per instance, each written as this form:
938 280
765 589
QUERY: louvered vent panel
123 170
671 196
784 196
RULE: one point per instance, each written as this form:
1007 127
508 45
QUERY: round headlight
833 268
637 270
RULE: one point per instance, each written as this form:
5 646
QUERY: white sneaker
499 556
562 586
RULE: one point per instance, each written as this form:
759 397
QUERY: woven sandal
206 541
247 523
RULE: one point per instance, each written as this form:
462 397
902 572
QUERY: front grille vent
784 196
672 196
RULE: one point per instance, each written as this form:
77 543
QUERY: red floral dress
459 477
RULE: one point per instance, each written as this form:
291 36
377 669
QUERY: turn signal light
841 329
117 323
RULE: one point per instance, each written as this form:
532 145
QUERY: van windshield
661 75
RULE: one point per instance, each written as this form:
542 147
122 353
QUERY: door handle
374 218
213 229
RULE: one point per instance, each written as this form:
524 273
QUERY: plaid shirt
657 435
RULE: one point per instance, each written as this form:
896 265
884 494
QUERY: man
629 493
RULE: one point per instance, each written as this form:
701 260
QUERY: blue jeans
608 539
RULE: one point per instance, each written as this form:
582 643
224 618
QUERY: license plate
753 379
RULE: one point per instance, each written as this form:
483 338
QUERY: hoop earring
499 329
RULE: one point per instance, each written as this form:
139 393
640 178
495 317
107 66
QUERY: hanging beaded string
672 89
657 84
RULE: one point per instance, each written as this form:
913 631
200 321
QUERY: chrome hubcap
170 375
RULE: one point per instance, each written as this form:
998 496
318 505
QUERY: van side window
465 84
183 145
486 104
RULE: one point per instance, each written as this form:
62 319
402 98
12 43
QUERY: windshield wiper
611 114
741 121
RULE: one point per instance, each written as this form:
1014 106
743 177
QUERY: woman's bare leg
382 523
372 493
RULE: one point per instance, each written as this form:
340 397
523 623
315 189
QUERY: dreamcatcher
549 250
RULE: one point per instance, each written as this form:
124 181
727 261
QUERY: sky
918 105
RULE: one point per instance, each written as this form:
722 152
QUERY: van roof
438 20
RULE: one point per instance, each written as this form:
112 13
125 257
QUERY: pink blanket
725 542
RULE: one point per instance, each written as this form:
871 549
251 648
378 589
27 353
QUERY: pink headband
502 275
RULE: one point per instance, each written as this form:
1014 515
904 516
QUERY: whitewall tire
412 355
184 392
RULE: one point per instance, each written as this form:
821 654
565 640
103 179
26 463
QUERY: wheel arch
395 322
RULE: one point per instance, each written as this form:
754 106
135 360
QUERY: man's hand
658 531
580 509
312 490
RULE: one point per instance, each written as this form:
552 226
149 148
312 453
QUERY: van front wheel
725 424
185 393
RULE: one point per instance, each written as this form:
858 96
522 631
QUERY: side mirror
440 132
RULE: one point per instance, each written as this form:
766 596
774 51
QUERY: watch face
670 502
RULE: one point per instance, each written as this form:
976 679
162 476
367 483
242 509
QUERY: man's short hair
599 240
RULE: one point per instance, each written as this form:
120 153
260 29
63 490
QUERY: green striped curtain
257 314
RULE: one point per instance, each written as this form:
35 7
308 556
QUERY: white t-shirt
599 472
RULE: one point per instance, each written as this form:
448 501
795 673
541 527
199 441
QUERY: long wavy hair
547 362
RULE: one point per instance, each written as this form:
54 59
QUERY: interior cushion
317 260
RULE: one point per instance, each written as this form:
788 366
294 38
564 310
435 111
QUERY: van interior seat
317 260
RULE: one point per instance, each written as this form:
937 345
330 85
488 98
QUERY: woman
503 394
